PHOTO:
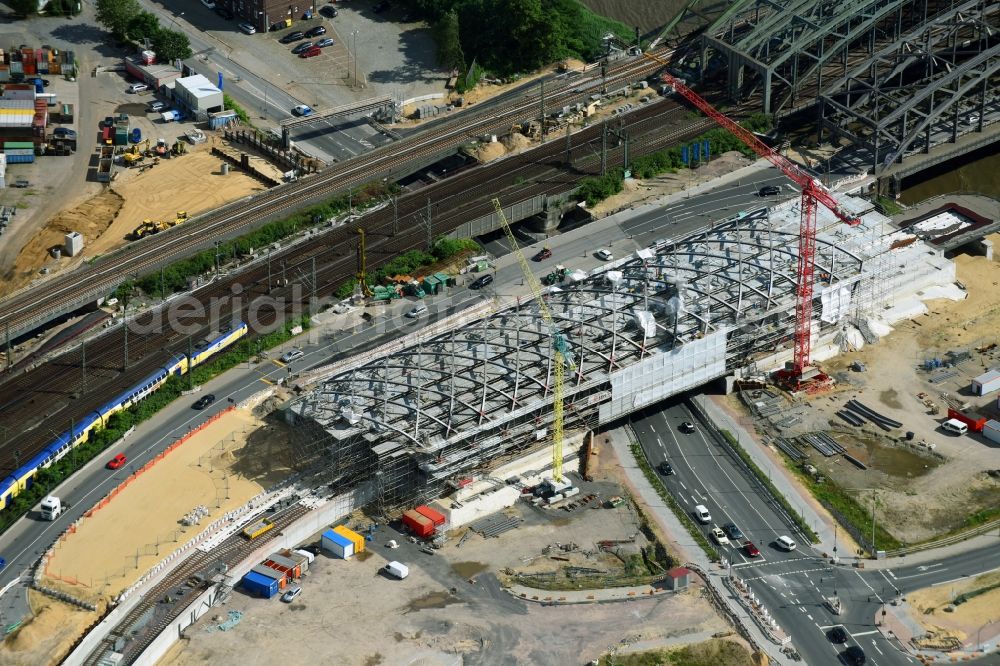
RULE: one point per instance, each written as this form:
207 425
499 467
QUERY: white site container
991 431
986 383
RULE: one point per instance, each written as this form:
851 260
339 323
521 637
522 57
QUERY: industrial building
197 96
264 13
689 310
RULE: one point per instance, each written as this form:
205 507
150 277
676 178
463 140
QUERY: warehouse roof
198 86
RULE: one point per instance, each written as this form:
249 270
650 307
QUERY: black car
224 13
292 37
204 401
687 426
481 281
769 191
837 635
64 133
328 11
732 531
855 656
109 121
304 46
666 469
383 6
316 32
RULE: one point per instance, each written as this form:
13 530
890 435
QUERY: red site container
418 524
434 516
975 422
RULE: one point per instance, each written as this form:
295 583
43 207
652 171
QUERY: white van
955 427
785 543
397 569
138 88
702 514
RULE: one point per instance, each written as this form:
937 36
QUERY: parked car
785 543
248 28
328 11
732 531
293 37
604 255
316 31
209 3
302 110
855 656
291 355
304 46
118 461
109 121
769 190
751 550
837 635
323 43
157 107
224 13
666 469
204 401
481 281
417 310
290 594
543 254
311 52
138 88
687 427
383 6
64 133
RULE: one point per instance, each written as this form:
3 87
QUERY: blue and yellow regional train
22 477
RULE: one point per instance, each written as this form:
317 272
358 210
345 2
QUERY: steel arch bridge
786 54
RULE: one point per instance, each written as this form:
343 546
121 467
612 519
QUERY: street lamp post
174 19
354 34
979 643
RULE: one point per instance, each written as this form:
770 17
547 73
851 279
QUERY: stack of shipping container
275 573
423 521
17 64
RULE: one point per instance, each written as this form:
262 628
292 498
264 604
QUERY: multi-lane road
793 586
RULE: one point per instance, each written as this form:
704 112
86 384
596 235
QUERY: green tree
449 45
143 24
171 45
24 7
116 14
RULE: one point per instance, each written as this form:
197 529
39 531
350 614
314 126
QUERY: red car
309 53
543 254
750 549
117 461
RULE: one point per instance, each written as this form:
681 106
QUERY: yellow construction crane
362 265
560 348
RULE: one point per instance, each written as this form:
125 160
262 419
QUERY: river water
977 172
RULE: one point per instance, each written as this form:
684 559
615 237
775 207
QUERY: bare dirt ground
977 615
192 183
220 468
926 486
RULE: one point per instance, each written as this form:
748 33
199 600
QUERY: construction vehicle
561 356
362 276
180 148
151 227
801 375
556 276
161 147
134 156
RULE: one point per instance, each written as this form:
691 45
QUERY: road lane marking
877 648
683 486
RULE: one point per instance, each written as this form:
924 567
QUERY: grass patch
762 477
100 439
714 652
859 517
668 499
889 206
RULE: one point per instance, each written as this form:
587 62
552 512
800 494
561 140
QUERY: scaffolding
452 403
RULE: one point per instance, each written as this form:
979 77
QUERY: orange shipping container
352 536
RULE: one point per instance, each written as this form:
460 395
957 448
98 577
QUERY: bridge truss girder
783 51
941 70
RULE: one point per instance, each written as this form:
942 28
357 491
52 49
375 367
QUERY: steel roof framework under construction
673 317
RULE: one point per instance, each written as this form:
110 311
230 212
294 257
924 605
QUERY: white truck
397 569
51 507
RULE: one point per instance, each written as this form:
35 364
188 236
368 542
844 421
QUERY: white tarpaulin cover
646 322
836 300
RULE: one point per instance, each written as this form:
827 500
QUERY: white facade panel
662 375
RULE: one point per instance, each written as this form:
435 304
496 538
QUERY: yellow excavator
150 227
133 156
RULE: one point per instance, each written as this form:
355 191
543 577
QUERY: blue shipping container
260 585
20 159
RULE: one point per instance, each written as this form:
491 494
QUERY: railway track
231 552
32 307
36 406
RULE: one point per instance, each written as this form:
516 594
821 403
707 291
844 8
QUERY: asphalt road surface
791 585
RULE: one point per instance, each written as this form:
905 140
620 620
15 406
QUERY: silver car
248 28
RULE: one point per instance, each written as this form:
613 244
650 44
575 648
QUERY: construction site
717 303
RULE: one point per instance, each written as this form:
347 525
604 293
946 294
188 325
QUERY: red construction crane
812 193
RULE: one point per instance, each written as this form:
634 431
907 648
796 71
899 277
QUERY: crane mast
813 194
560 347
